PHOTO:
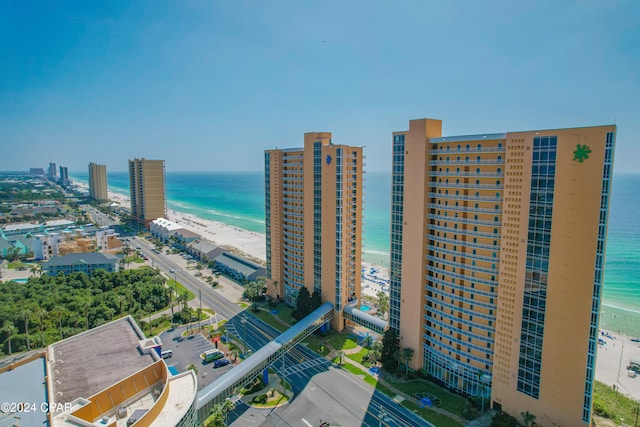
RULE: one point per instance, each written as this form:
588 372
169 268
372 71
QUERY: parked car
221 362
172 270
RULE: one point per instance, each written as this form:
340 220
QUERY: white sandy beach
611 360
252 243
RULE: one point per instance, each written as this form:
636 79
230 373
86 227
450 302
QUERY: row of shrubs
261 398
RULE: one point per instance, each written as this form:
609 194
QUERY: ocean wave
374 252
620 308
218 213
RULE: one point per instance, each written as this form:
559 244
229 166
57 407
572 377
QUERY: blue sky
208 85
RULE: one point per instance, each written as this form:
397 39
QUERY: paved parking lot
187 351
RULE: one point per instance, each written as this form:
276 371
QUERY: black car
220 363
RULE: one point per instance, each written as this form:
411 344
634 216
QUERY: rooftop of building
58 223
165 223
465 138
21 226
87 363
84 258
203 246
187 234
236 263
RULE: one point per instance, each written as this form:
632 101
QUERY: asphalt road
98 217
323 392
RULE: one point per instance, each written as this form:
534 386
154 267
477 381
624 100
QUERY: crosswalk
317 364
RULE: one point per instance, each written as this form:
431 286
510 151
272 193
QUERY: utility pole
620 365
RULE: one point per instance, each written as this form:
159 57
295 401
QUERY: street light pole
243 320
620 365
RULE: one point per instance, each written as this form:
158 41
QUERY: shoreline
250 243
614 351
253 244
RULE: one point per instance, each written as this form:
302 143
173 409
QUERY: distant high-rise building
53 171
64 176
313 211
98 182
497 257
147 186
36 171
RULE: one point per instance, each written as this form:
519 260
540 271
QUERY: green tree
502 419
528 418
383 303
316 300
253 290
194 368
375 353
10 330
25 315
303 304
390 347
340 356
406 354
36 269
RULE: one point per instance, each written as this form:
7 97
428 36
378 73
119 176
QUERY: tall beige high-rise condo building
497 252
98 182
313 198
147 186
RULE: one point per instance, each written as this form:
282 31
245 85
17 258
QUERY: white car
172 270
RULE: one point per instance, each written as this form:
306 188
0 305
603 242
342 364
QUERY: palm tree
340 354
41 314
406 354
149 308
8 326
25 314
383 303
528 418
35 269
227 406
235 352
85 305
199 312
367 341
194 368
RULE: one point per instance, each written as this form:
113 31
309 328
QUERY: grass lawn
430 415
181 289
449 401
367 378
284 312
267 317
315 343
357 357
612 404
158 329
384 389
341 341
17 264
277 399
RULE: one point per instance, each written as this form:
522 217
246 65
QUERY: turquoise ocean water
238 199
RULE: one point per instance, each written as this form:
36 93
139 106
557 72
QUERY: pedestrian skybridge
243 374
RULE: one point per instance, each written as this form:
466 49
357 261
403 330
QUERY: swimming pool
365 308
20 280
